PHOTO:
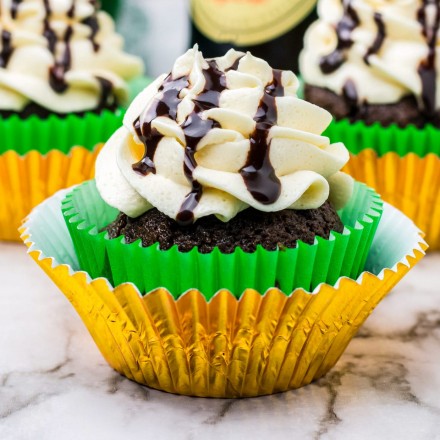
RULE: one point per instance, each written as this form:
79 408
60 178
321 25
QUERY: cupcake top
215 137
62 55
376 51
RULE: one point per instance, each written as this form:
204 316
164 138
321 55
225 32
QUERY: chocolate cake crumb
247 230
402 113
44 113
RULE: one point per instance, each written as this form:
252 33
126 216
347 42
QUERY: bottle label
248 22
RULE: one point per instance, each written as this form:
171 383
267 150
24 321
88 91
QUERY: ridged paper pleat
402 164
25 181
410 183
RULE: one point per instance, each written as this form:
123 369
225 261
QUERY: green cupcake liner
55 133
357 136
305 266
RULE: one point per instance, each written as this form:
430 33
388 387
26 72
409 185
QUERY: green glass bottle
111 6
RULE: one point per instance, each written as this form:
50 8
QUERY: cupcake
220 251
63 80
374 66
220 164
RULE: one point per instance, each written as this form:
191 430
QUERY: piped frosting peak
217 136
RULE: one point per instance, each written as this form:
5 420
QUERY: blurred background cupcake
218 167
375 66
64 79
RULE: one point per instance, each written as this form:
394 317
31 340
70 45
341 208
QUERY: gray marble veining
56 385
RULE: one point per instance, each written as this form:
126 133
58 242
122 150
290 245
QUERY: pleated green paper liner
149 268
55 133
358 136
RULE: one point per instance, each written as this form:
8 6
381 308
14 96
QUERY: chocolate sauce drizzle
92 23
195 129
7 48
427 69
57 73
258 173
380 38
350 94
6 37
349 22
107 97
14 8
164 105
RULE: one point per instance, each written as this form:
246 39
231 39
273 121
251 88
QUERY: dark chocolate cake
403 113
247 230
44 113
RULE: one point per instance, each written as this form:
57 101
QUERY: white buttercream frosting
70 35
306 165
392 71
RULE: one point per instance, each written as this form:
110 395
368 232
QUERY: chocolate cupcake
218 159
375 66
64 80
374 61
222 153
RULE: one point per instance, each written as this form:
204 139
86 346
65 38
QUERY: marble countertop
55 385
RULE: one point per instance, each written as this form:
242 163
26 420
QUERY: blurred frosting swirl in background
376 51
76 58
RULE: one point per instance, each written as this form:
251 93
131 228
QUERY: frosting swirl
62 55
382 50
217 136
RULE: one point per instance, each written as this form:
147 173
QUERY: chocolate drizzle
380 38
350 95
14 8
349 22
7 48
6 37
164 105
58 70
57 73
258 173
48 32
107 97
195 129
427 69
92 23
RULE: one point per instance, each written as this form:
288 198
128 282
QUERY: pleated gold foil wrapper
25 181
262 343
411 183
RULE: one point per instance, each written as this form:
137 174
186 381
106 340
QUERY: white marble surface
55 385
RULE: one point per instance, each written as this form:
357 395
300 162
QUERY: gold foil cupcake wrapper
28 180
226 347
410 183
